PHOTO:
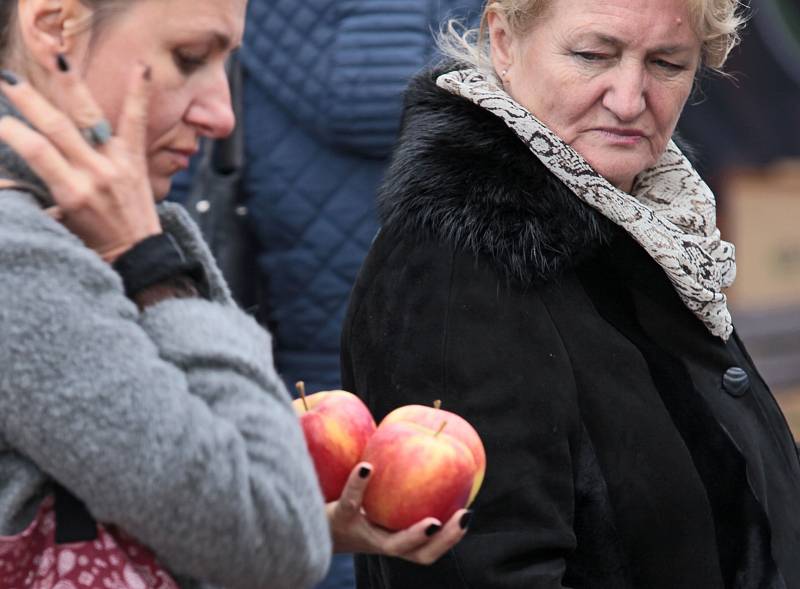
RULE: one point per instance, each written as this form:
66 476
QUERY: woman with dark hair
129 376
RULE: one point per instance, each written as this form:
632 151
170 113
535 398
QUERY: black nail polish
432 529
465 520
9 78
364 472
63 65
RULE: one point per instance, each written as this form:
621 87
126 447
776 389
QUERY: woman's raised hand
98 179
422 543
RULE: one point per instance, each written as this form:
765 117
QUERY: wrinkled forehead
619 22
526 14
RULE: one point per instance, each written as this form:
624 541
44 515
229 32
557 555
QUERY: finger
49 121
450 535
42 157
75 99
413 538
353 493
132 123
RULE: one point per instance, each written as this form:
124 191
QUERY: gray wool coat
171 423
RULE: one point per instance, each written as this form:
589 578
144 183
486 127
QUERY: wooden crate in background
761 215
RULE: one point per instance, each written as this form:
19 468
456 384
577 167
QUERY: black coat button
735 381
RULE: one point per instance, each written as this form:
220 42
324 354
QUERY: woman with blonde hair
549 266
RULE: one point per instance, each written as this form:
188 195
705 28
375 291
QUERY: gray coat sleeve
172 424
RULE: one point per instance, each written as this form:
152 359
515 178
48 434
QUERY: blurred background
745 131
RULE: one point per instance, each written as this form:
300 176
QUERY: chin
161 186
620 174
619 167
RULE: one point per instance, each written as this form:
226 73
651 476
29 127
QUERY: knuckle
55 125
36 148
108 176
80 196
350 506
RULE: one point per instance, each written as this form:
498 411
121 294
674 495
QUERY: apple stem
437 404
301 388
441 428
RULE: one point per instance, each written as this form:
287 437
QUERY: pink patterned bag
107 559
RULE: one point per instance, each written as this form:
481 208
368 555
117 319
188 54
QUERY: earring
504 73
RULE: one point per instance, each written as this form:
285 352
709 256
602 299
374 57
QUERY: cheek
570 108
668 104
108 91
166 112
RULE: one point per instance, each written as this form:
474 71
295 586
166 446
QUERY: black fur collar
460 175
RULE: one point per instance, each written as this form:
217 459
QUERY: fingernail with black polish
432 529
465 520
63 64
364 472
9 78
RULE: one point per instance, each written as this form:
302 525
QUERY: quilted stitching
323 95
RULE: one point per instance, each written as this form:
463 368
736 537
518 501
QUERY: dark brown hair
7 10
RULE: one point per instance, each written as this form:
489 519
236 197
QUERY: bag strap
74 523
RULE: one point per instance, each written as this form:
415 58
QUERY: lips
180 157
621 136
187 151
622 131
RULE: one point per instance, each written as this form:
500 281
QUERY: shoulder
44 268
460 175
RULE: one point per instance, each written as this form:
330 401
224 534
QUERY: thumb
132 124
353 492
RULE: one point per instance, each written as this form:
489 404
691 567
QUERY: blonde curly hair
717 23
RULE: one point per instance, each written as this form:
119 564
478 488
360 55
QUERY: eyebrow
220 40
617 43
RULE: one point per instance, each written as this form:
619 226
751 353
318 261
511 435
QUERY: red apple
418 472
336 425
457 426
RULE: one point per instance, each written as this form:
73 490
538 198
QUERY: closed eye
188 62
590 56
668 65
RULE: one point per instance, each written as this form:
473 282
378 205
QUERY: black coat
619 454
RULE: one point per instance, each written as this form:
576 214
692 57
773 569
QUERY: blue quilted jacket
323 86
323 95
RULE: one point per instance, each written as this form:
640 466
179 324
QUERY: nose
625 96
211 112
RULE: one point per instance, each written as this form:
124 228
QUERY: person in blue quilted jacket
322 97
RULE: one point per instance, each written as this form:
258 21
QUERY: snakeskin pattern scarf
671 212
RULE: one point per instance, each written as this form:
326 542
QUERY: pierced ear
501 43
49 27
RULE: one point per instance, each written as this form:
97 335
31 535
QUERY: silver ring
98 134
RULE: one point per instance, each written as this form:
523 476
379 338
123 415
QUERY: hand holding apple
424 542
336 425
